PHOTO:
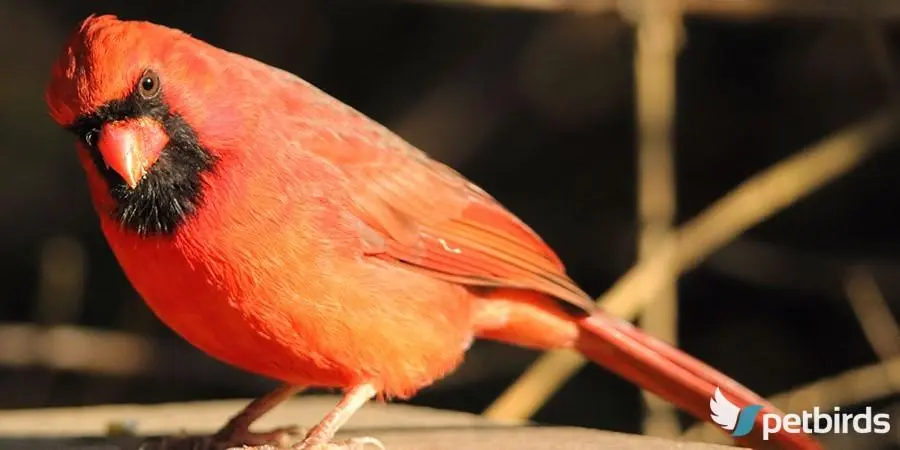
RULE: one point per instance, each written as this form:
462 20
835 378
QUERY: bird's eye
90 137
148 86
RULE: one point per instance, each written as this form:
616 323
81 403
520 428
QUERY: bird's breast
240 285
277 282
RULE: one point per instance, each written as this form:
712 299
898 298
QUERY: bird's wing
431 218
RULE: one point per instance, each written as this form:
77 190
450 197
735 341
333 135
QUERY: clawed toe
281 438
357 443
178 443
277 439
360 443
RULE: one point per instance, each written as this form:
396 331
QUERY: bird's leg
236 433
320 436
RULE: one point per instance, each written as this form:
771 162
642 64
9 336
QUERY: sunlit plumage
285 233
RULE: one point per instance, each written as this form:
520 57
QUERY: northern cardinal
283 232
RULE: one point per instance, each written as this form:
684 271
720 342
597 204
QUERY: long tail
534 320
676 376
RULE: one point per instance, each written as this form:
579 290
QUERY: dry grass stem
75 349
752 202
658 35
581 6
872 311
722 9
855 386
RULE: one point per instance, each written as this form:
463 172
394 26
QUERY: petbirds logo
740 421
736 420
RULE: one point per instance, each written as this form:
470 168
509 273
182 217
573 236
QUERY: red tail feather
675 376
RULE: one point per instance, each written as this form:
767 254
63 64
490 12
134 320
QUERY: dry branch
856 386
581 6
750 203
114 354
734 9
75 349
658 36
874 314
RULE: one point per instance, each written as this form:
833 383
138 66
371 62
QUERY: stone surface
399 427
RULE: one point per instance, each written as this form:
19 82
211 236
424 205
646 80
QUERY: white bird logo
722 411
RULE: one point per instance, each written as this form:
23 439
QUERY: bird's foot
280 438
357 443
277 439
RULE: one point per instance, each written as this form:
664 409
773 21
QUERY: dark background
535 107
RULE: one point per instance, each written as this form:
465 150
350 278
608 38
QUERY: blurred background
607 126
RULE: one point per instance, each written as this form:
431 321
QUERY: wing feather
432 218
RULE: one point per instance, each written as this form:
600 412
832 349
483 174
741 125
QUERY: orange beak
130 147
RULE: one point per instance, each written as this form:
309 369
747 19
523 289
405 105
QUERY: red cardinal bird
285 233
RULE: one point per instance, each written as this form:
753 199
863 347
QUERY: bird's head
130 92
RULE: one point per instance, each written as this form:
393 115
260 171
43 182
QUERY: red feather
430 217
326 250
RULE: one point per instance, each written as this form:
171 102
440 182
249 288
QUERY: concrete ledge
399 427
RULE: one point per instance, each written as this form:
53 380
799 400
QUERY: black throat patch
172 188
